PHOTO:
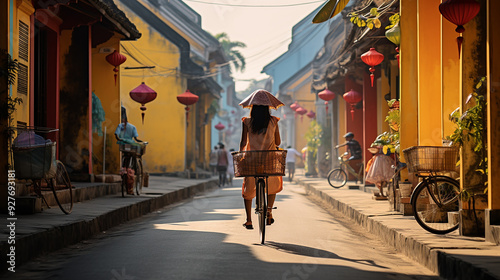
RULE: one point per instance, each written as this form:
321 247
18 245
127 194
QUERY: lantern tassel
352 112
142 114
460 40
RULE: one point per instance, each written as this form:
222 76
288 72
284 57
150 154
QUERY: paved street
203 239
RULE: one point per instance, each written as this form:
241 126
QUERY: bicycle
260 165
34 160
132 160
435 200
337 177
393 183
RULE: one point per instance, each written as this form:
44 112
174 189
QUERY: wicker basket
135 149
259 163
431 159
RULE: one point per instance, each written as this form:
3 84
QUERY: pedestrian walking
213 161
290 161
222 162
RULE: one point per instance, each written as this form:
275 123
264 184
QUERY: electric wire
254 6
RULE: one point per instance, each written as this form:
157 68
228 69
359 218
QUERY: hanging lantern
372 58
187 98
143 94
219 126
394 35
311 114
294 107
116 59
326 95
301 111
352 97
459 12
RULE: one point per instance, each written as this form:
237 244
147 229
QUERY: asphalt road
203 238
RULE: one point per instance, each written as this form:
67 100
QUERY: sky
264 29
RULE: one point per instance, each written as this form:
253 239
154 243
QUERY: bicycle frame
345 166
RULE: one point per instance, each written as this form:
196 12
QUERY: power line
254 6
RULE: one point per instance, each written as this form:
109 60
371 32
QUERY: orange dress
266 141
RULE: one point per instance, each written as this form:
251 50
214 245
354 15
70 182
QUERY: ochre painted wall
164 123
429 74
108 92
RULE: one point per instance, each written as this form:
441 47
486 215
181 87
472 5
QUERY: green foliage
389 140
313 137
471 127
372 20
230 49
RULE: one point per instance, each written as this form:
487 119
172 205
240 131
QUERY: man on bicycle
126 133
354 150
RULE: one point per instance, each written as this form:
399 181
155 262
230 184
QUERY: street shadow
315 253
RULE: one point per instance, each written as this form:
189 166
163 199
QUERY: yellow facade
164 123
108 92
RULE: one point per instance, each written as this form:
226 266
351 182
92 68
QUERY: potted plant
470 133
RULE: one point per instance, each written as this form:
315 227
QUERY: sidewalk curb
57 237
438 261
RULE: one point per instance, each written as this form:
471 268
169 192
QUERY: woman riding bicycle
126 133
260 132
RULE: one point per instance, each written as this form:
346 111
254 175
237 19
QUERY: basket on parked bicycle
431 159
34 156
259 163
135 149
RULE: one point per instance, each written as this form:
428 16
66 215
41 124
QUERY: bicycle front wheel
337 178
61 187
261 209
435 204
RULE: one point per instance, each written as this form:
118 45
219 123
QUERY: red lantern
143 94
352 97
372 58
187 98
294 107
116 59
326 95
311 114
459 12
301 111
219 126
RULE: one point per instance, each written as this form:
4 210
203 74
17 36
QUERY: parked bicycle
393 183
34 160
260 165
337 177
132 160
435 200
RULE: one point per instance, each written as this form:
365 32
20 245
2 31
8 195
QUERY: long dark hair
259 119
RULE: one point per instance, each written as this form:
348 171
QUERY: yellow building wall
409 76
302 123
104 87
450 69
429 73
164 123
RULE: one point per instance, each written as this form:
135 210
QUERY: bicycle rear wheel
337 178
435 204
261 209
61 187
138 176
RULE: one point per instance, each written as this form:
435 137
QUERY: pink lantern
301 111
187 98
294 107
311 114
143 94
116 59
219 126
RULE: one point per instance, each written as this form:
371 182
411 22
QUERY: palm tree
229 47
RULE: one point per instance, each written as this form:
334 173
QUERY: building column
493 69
